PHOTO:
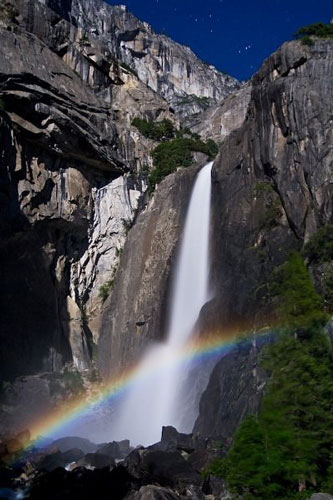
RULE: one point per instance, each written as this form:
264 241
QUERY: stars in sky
234 36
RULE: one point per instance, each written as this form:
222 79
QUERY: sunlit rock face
111 32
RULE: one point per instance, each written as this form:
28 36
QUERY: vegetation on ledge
157 131
286 450
319 30
176 148
168 156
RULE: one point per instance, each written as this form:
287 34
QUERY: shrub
8 12
170 155
106 289
157 131
320 247
265 191
319 30
299 305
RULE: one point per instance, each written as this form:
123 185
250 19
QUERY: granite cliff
73 76
75 215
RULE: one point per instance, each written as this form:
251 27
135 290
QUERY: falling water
154 401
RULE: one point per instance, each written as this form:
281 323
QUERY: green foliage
288 446
176 153
203 102
127 224
263 188
8 12
307 40
264 191
2 105
68 382
299 305
157 131
73 381
319 30
320 247
106 289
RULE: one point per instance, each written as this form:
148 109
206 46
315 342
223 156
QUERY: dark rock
72 455
201 459
216 486
82 484
174 440
68 443
153 493
234 391
167 468
51 462
116 449
194 492
97 460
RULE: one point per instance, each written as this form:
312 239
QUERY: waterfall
154 399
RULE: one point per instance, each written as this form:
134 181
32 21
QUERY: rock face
73 76
136 312
170 69
272 188
234 391
219 121
272 180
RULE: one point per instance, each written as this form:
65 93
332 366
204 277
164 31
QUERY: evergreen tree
286 451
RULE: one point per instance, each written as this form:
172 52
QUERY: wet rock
97 460
153 493
116 449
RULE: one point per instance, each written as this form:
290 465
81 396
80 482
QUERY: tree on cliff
285 451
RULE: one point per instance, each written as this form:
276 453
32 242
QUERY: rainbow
197 351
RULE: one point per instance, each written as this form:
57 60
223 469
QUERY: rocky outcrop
219 121
234 391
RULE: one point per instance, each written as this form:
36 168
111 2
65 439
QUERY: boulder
321 496
82 484
174 440
116 449
97 460
167 468
151 492
74 442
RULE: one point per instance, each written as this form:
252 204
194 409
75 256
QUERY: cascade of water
153 401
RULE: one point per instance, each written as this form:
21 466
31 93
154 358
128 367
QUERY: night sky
234 35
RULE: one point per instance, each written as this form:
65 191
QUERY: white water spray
154 400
